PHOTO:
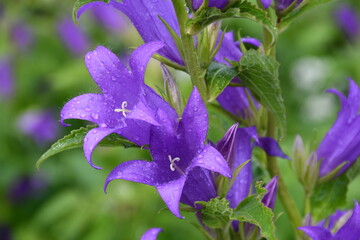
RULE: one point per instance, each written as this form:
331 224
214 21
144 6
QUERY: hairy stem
190 57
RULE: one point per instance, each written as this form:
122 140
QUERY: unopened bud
172 91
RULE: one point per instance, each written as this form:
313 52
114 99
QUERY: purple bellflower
212 3
110 17
340 226
151 234
177 149
22 36
344 134
348 20
145 17
280 4
127 106
41 125
6 78
72 36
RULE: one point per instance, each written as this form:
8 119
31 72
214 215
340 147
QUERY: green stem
285 197
190 57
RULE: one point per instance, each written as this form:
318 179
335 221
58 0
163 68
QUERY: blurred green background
65 198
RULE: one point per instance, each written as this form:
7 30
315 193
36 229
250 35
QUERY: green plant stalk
272 166
190 57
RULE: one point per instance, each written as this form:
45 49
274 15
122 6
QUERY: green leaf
216 212
75 139
242 9
79 3
217 77
328 197
298 11
260 74
252 210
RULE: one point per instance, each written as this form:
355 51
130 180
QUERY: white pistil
123 109
172 162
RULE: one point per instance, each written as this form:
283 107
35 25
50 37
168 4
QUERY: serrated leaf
79 3
216 212
252 210
242 9
328 197
217 77
259 73
298 11
75 139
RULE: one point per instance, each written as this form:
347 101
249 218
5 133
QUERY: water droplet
95 116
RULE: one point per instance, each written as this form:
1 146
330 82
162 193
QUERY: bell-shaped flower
348 20
340 146
144 15
151 234
177 149
127 106
340 226
212 3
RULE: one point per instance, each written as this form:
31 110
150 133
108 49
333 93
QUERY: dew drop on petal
95 116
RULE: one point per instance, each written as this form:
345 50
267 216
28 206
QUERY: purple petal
270 197
145 17
22 35
212 160
6 78
72 36
316 233
252 41
271 147
110 17
334 218
351 229
229 49
92 138
140 58
136 171
88 107
151 234
212 3
226 144
194 122
85 7
142 112
171 193
348 20
266 3
136 131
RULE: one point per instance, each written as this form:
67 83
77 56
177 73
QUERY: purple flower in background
41 125
340 226
73 36
126 107
280 4
21 35
151 234
177 149
348 20
212 3
26 187
144 15
344 134
110 17
5 232
6 78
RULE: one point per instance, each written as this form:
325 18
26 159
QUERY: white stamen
123 109
172 162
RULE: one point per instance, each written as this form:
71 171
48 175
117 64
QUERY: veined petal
88 107
151 234
270 197
241 187
194 122
171 193
212 160
92 138
316 233
140 58
111 75
351 229
271 147
145 17
136 131
136 171
141 112
226 144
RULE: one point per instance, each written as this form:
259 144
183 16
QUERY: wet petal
316 233
194 122
140 58
92 138
212 160
171 193
151 234
88 107
136 171
142 112
271 147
